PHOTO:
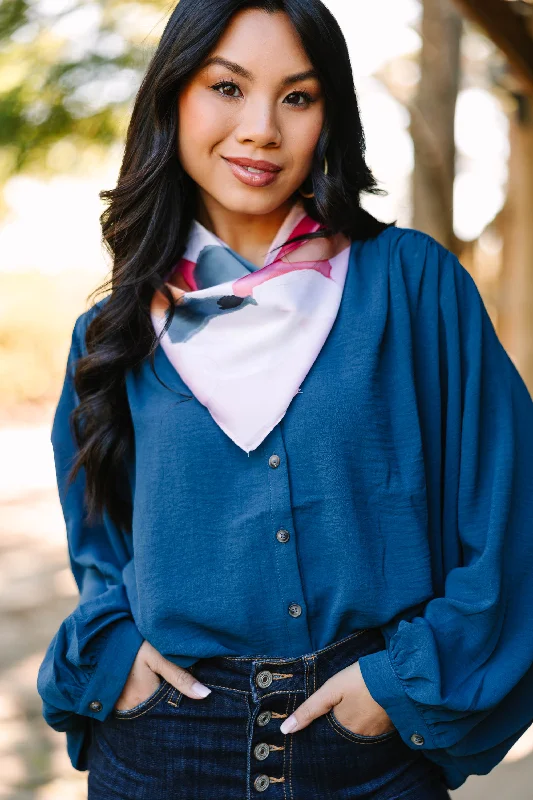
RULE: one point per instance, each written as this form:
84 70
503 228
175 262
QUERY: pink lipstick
253 173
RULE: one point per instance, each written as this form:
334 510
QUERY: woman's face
256 96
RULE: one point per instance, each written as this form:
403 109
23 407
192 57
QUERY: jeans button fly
261 751
261 783
263 678
264 718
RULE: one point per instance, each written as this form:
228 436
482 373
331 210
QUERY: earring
312 194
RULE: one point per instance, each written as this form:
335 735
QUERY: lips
265 166
244 169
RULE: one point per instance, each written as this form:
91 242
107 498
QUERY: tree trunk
433 121
516 318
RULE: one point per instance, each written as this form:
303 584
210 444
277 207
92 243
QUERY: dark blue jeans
229 746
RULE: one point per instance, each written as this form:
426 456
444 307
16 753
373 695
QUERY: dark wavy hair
149 213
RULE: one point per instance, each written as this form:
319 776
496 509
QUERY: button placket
262 750
285 565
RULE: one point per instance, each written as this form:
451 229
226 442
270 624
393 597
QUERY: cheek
201 125
301 139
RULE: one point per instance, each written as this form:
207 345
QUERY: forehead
267 45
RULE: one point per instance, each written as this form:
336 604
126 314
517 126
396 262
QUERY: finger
181 679
131 696
317 704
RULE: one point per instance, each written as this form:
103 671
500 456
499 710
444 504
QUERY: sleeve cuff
113 666
387 690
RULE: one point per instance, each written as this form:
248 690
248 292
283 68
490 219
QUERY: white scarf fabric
243 338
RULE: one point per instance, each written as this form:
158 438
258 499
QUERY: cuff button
416 738
95 705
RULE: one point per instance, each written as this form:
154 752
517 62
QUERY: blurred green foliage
69 70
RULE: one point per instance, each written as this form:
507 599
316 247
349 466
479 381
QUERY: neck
249 235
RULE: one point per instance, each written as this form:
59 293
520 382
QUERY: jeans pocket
345 732
146 705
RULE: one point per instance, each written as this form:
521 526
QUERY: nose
259 124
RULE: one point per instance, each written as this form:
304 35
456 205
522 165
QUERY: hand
143 678
355 708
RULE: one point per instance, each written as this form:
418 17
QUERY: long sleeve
457 680
89 658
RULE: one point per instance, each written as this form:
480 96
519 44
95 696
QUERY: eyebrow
244 73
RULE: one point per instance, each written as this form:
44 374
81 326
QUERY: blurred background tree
69 70
63 94
476 53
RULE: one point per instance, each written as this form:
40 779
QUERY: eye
307 99
225 88
224 85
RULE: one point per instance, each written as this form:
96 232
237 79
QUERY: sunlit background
68 73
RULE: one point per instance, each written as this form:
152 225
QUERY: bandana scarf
243 337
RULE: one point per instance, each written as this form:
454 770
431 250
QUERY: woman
302 494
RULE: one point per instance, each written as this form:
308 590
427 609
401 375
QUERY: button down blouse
396 492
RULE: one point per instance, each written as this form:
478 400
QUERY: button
295 610
95 705
264 718
261 751
282 535
263 678
416 738
274 461
261 783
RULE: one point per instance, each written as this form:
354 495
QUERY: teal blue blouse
405 481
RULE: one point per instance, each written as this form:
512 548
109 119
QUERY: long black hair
149 213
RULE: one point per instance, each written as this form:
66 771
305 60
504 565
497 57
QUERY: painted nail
289 725
200 690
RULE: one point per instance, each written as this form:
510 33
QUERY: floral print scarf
243 337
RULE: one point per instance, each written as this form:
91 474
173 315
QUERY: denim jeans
229 746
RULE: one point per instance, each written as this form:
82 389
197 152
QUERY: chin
253 201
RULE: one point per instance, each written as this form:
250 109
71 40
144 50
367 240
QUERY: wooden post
511 31
516 318
432 124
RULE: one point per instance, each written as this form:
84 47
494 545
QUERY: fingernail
200 690
289 725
